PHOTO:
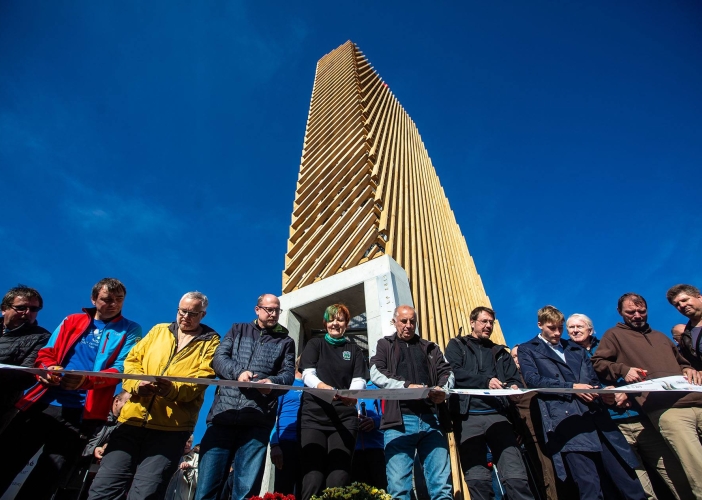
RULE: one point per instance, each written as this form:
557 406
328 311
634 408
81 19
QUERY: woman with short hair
328 430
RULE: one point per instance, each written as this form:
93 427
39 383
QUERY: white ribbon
673 384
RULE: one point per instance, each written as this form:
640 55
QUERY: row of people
59 411
592 455
581 437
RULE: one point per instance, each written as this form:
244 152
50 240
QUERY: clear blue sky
159 142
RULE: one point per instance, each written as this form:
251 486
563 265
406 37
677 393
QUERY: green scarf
334 341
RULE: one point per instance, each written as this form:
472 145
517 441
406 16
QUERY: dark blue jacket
288 422
374 438
267 354
569 424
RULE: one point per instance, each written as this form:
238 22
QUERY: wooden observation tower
367 188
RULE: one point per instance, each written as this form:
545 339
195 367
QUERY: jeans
584 470
422 435
242 447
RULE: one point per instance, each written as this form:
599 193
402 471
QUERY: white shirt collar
557 348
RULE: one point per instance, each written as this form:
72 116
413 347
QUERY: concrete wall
375 287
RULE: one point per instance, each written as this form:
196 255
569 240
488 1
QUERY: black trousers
326 459
288 480
62 434
493 430
368 467
145 457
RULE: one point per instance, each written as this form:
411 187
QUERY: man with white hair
160 416
582 332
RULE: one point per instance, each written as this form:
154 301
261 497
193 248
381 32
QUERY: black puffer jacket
267 354
19 347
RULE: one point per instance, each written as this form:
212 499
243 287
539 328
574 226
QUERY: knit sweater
623 347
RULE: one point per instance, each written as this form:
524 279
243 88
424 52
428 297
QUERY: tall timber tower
367 187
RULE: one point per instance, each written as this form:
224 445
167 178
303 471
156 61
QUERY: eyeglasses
188 314
486 321
21 309
272 311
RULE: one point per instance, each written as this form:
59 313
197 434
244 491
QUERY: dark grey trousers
493 430
145 457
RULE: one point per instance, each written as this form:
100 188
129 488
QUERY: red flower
274 496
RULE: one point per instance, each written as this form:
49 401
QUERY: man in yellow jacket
161 415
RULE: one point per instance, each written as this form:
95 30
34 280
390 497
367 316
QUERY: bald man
411 427
677 332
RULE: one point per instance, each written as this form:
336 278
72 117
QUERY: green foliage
357 491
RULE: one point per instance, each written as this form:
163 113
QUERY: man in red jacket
60 412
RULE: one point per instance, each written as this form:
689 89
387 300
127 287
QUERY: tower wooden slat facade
367 187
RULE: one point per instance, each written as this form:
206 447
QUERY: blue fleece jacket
373 438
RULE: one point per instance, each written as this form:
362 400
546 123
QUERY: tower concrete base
371 291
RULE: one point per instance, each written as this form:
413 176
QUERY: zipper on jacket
107 337
61 362
248 364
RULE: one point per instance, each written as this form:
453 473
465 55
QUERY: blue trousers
422 435
226 446
603 476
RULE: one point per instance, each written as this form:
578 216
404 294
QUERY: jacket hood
623 326
207 332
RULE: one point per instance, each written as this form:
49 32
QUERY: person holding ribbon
240 420
328 430
160 416
59 411
589 453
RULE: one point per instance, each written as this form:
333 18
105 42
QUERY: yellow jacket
155 354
